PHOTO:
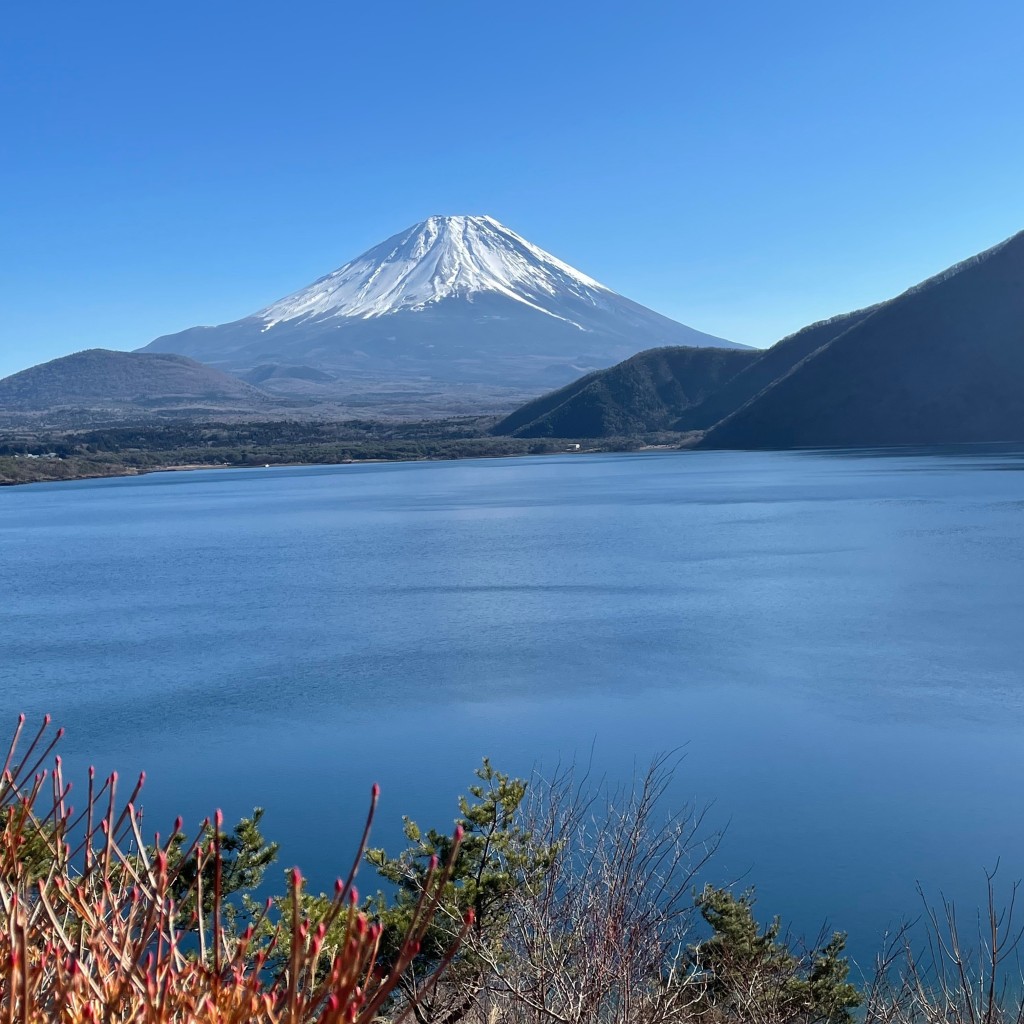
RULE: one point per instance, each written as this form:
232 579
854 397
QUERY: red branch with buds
90 930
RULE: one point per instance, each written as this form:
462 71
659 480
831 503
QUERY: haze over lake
834 639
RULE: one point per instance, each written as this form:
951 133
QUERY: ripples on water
835 639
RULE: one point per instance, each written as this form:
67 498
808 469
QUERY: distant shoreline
117 471
38 471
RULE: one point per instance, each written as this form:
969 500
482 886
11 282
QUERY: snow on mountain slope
442 258
452 301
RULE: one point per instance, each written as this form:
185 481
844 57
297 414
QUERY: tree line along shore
29 454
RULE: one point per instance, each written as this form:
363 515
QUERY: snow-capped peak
441 258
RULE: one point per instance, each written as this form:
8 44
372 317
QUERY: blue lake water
835 640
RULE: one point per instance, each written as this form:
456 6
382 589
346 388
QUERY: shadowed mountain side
944 362
149 380
493 340
772 364
269 372
642 394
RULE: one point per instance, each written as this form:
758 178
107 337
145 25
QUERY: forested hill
146 380
943 362
644 393
769 367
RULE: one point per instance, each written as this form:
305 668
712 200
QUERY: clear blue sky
745 167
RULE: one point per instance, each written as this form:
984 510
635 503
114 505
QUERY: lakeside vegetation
551 900
30 454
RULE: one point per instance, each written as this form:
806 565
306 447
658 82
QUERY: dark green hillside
644 393
143 380
776 362
547 403
944 362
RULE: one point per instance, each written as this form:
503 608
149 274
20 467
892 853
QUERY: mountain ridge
642 394
453 300
439 258
771 365
941 362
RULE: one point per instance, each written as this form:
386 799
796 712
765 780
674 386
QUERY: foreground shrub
555 902
603 936
500 855
760 976
943 969
99 926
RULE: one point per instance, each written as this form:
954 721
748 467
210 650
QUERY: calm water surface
837 641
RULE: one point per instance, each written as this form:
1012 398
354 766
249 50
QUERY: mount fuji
450 301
